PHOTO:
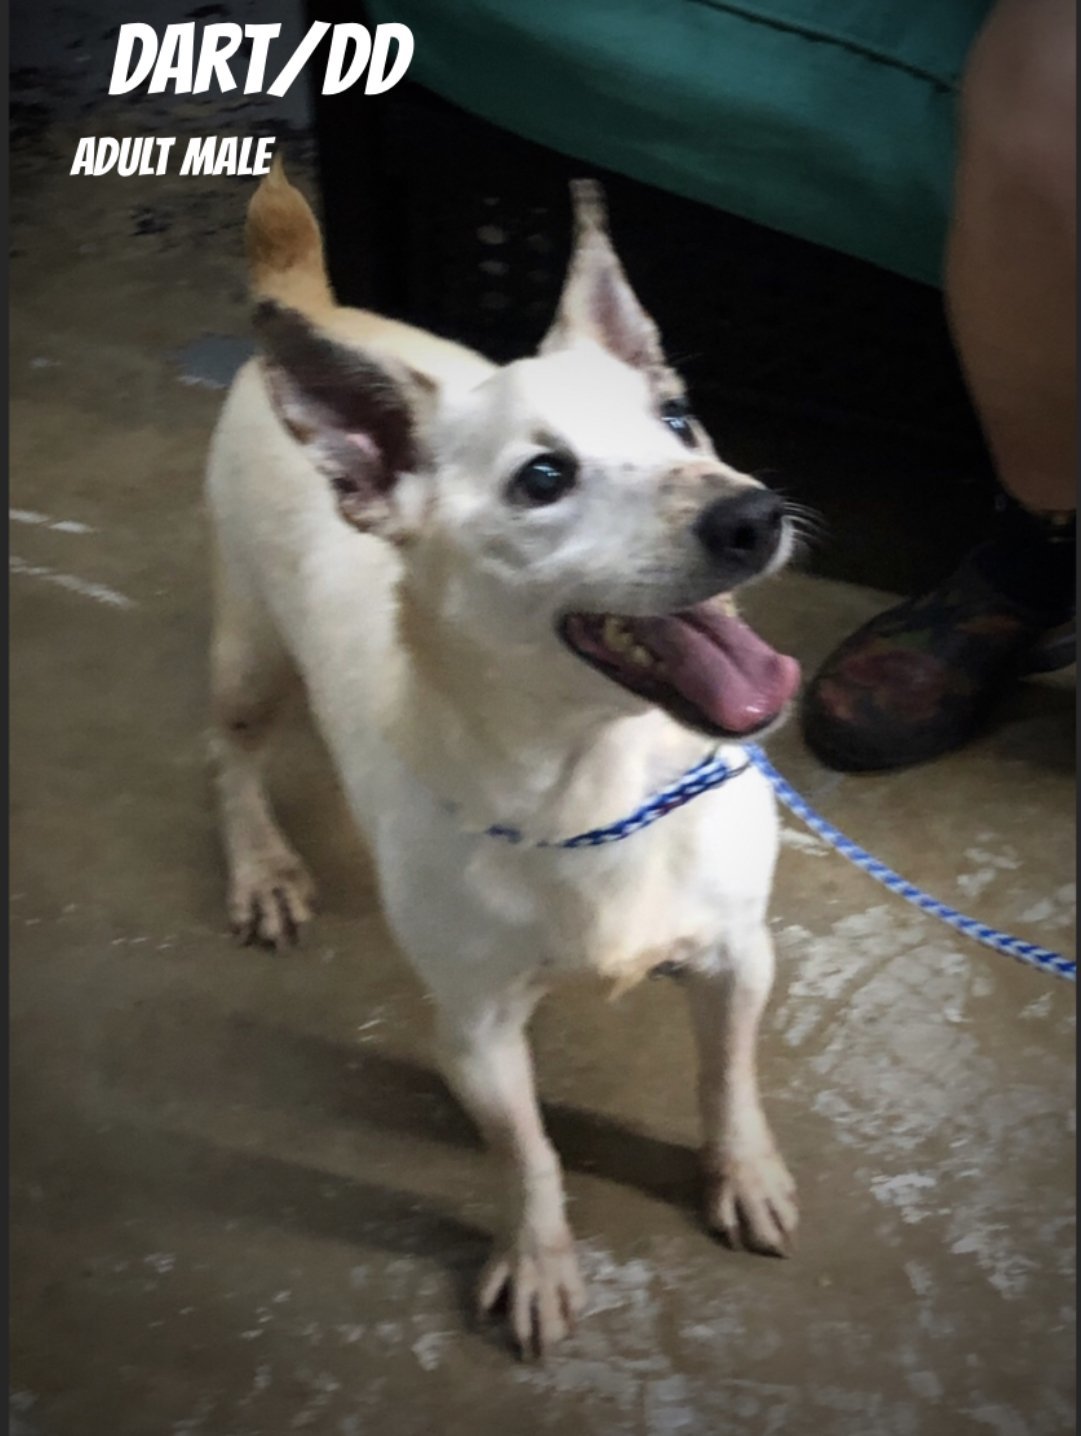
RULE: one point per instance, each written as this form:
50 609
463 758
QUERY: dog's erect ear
597 302
357 417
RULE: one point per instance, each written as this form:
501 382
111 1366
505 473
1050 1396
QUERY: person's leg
1011 290
917 681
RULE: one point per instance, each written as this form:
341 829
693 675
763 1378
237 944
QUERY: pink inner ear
607 309
356 465
367 446
372 463
616 313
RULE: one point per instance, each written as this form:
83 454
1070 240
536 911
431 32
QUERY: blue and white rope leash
1029 952
714 770
711 772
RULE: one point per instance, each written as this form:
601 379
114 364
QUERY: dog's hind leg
750 1197
487 1062
270 892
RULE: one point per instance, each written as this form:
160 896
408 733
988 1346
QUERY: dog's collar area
710 773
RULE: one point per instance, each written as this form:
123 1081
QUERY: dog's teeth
616 636
641 656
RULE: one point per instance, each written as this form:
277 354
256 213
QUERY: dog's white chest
672 892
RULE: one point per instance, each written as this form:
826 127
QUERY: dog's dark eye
544 479
677 416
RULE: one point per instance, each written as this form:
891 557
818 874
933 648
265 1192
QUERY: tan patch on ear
285 245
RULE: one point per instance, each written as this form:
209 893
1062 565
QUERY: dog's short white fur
366 539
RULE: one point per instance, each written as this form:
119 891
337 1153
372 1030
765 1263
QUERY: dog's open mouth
702 665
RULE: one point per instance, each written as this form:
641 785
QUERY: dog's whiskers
806 525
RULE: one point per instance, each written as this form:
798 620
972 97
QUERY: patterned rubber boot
921 679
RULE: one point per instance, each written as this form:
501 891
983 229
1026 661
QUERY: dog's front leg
750 1197
487 1062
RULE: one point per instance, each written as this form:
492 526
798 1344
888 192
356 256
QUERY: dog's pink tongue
721 666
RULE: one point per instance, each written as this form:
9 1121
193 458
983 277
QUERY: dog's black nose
741 532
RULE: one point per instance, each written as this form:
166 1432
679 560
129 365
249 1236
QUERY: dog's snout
741 531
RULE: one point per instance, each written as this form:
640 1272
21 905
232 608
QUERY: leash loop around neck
710 773
714 770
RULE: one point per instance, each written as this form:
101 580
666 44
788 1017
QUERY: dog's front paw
270 897
751 1202
544 1291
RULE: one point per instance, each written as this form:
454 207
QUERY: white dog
499 586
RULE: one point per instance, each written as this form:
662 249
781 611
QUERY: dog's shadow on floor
390 1093
172 1174
378 1092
